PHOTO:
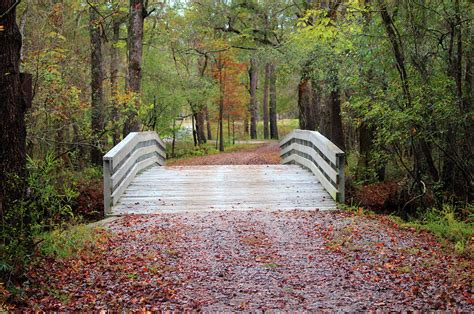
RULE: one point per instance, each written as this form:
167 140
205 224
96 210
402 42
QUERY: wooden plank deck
231 187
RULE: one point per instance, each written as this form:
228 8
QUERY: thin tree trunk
97 94
221 110
273 103
233 131
173 143
253 73
266 131
200 130
208 124
194 130
114 79
337 136
135 46
228 128
13 106
246 123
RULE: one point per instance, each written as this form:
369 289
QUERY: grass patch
446 226
69 241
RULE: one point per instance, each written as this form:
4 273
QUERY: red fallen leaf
470 300
388 266
380 244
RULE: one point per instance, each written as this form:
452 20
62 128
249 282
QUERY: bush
445 224
67 241
89 204
46 204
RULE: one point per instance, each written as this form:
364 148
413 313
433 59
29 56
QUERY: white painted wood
328 148
334 169
230 187
331 172
322 179
121 163
122 171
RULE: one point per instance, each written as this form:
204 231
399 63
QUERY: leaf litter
255 261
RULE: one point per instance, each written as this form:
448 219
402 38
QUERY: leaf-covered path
261 154
257 260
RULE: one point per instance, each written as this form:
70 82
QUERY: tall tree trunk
273 103
135 46
97 93
266 131
208 124
12 111
114 79
337 136
221 109
193 127
253 73
307 105
200 128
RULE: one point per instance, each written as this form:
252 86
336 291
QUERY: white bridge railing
315 152
133 154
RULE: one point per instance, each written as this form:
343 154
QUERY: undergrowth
449 229
446 226
67 241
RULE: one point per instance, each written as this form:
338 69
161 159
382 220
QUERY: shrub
67 241
46 204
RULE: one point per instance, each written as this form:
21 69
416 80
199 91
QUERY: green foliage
446 226
187 149
46 206
67 241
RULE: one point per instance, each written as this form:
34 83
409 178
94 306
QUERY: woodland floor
258 260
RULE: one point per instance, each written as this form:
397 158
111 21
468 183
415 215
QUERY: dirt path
255 261
228 261
262 154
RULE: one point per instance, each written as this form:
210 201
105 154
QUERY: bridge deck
231 187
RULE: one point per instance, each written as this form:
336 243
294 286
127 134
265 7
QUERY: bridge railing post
107 187
341 162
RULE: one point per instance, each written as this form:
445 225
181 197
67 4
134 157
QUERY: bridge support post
107 187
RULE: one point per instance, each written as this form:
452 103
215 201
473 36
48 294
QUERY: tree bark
221 109
135 46
114 79
266 131
97 93
200 128
208 124
337 135
253 72
13 106
273 103
307 105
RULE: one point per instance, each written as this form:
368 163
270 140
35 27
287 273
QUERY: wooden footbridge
137 181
